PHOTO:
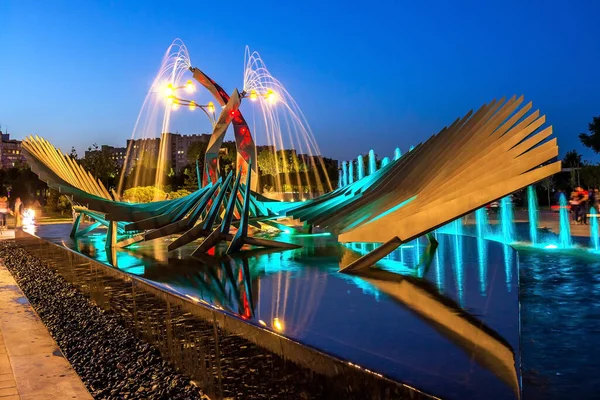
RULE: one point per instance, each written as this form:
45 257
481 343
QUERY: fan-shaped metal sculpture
480 158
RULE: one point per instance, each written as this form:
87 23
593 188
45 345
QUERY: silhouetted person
583 205
4 209
18 213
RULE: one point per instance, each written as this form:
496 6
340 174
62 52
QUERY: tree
590 175
57 202
266 162
190 181
227 158
548 184
573 160
196 151
73 154
100 164
592 139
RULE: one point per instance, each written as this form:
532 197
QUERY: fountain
146 163
280 123
564 234
532 204
391 204
361 167
397 153
458 226
482 249
507 220
385 161
594 238
411 148
481 222
372 162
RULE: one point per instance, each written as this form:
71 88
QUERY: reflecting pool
560 306
444 320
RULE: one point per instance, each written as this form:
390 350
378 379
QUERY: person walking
4 209
583 198
18 213
574 203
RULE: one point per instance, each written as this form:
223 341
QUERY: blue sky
366 74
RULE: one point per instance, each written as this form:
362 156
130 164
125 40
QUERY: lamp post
208 109
246 154
253 95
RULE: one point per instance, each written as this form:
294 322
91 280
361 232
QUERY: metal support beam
371 258
111 236
75 227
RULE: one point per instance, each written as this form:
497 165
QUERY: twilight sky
366 74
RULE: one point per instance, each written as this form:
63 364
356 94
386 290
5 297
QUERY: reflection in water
458 269
483 264
439 267
560 304
508 264
451 321
401 325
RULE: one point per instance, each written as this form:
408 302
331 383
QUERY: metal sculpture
245 147
195 215
481 157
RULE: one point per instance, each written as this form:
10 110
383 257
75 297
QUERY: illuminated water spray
372 162
507 220
458 226
361 167
351 172
281 124
149 159
594 238
385 161
397 153
564 234
481 222
344 173
482 251
532 207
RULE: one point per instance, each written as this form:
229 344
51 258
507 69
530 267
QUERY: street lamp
208 109
253 95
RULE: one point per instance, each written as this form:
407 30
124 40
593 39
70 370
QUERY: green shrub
143 194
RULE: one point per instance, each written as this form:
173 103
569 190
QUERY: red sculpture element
246 149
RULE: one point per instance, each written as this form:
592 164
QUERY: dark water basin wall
447 323
218 350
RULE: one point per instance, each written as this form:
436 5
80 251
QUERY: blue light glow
507 220
372 162
360 167
595 240
481 222
564 234
532 208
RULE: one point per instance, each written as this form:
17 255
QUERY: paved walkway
7 234
31 364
